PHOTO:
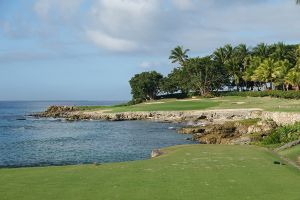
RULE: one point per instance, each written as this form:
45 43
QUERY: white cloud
119 24
108 42
153 27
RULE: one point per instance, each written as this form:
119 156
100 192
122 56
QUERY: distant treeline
229 68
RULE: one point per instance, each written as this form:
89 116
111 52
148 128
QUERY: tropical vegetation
283 134
240 68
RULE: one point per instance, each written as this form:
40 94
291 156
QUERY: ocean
26 141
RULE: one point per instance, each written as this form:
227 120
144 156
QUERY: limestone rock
155 153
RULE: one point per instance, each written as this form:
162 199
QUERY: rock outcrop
73 113
231 132
216 116
208 126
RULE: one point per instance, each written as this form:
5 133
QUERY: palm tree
261 50
293 78
265 72
233 59
251 64
280 52
281 69
219 56
178 54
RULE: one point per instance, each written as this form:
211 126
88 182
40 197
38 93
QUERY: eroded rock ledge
73 113
227 126
231 132
216 116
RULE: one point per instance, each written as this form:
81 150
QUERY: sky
89 49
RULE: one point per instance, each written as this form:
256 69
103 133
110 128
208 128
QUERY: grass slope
185 172
231 102
292 153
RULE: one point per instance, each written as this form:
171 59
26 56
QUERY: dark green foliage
198 75
283 135
179 55
177 80
269 93
145 86
239 68
173 96
205 75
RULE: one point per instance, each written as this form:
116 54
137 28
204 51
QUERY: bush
283 135
270 93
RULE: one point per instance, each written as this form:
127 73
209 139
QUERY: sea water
28 141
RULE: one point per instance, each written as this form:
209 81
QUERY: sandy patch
239 102
159 102
189 100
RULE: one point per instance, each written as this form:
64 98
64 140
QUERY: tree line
230 68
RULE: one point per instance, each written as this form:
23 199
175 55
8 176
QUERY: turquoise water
27 141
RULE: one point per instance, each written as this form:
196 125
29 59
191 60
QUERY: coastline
214 116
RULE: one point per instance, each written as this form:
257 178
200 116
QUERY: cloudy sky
89 49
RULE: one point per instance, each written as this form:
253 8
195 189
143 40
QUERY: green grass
291 153
166 105
230 102
185 172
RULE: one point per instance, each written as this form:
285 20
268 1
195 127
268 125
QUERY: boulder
155 153
191 130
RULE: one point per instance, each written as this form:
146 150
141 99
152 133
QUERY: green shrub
283 135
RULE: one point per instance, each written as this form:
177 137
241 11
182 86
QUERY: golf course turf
183 172
229 102
292 153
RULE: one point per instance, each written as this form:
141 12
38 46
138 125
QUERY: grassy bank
292 153
185 172
292 94
229 102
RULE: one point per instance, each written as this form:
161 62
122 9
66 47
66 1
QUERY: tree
280 51
220 56
261 50
281 69
145 86
179 54
251 64
265 72
177 81
293 76
233 59
206 75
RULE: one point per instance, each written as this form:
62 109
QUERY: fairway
230 102
184 172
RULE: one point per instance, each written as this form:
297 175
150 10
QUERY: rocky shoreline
227 126
215 116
